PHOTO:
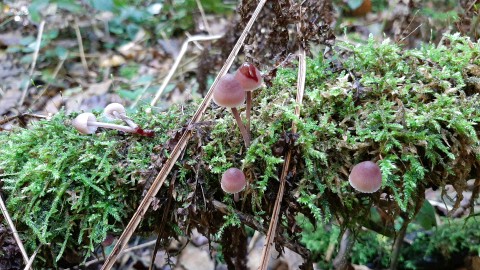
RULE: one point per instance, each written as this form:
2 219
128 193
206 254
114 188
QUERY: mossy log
413 112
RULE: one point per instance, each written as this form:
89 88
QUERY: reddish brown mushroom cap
366 177
233 181
249 76
228 92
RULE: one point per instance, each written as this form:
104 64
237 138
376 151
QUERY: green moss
69 190
410 111
407 110
429 249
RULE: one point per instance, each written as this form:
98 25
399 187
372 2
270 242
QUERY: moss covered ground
414 112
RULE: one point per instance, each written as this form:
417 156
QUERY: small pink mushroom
230 94
233 181
366 177
250 78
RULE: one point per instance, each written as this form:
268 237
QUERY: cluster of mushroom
231 90
86 123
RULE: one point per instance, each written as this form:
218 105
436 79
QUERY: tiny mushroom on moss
116 111
233 181
366 177
229 93
86 123
250 78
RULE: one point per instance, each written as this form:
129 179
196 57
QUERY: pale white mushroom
86 123
116 111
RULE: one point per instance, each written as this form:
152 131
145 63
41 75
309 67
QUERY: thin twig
141 246
397 246
416 28
276 210
400 237
346 244
198 45
14 230
8 119
251 221
54 75
162 175
80 45
204 18
408 26
34 61
182 52
302 67
30 261
171 189
145 88
275 215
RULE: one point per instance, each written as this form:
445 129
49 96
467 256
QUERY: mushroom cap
233 181
228 92
81 123
109 110
249 76
366 177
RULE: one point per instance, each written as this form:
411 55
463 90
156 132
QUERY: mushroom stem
248 110
112 126
241 126
236 197
130 122
125 119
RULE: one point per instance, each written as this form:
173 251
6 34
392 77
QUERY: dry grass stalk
141 246
30 261
54 76
80 46
182 52
34 61
302 66
204 18
14 230
162 175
